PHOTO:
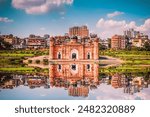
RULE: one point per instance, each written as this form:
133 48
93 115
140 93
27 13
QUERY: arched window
88 56
88 67
74 56
59 55
59 67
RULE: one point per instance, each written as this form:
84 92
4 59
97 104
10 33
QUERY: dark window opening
59 55
88 56
88 67
73 67
59 67
74 55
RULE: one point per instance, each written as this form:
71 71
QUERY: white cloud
107 28
5 19
39 6
116 13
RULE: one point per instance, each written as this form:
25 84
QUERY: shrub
29 61
37 61
45 61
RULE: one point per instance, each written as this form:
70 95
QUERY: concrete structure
82 31
104 43
19 43
118 81
139 41
118 42
131 33
8 38
36 42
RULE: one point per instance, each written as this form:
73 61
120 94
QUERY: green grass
125 69
17 69
24 70
138 62
15 55
130 57
23 53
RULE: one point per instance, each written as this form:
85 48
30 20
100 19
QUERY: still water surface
116 86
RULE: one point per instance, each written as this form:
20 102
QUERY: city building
81 91
118 42
19 43
139 41
131 33
135 38
117 81
36 42
47 38
104 43
8 38
82 31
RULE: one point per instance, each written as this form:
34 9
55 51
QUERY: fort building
73 58
73 49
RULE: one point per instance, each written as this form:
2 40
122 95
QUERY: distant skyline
54 17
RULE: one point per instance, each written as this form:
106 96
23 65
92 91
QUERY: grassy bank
125 69
134 61
23 53
130 57
24 70
11 61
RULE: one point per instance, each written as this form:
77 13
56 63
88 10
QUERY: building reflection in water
130 84
76 83
10 81
78 78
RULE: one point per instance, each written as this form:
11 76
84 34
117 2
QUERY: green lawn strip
138 62
16 55
125 69
17 69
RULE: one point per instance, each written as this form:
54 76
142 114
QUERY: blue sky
54 17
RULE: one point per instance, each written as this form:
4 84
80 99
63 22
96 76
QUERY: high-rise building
82 31
131 33
118 42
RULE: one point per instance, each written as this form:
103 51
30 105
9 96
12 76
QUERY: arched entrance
74 54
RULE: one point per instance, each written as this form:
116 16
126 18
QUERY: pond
78 81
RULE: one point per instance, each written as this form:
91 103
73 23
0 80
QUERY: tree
37 61
102 47
4 45
147 46
29 61
45 61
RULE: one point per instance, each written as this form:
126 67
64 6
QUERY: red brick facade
79 31
63 48
118 42
73 58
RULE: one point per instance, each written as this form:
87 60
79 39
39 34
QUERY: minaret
51 48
